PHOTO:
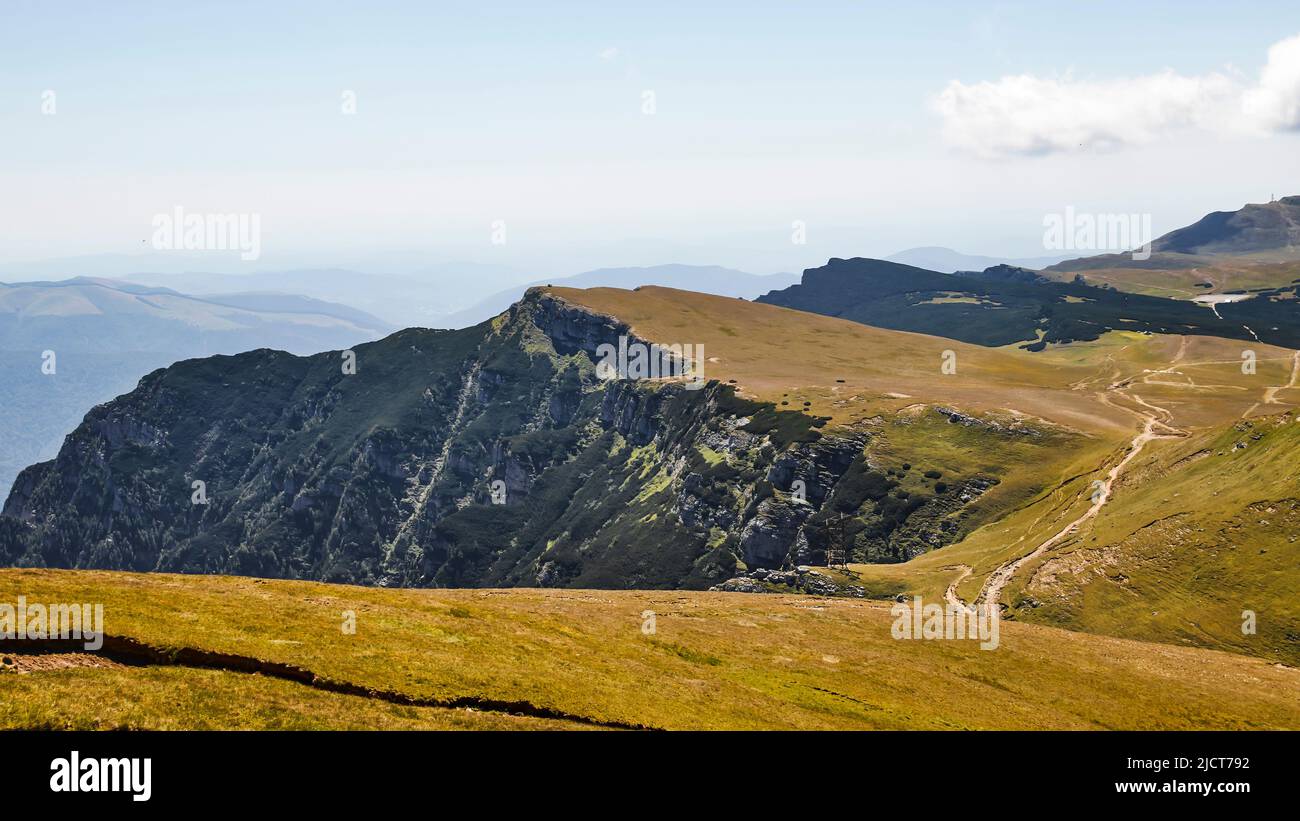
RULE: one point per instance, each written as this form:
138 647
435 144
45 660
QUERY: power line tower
837 543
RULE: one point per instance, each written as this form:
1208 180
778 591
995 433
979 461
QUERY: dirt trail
992 591
1270 394
1156 424
23 663
950 595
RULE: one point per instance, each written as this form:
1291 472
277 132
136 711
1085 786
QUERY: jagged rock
384 477
804 580
740 585
958 418
767 538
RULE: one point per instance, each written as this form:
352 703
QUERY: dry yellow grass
772 351
1104 388
776 353
715 660
177 698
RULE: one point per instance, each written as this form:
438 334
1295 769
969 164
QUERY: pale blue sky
531 113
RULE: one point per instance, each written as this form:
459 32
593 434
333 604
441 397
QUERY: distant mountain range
1002 306
101 314
455 296
104 335
403 291
400 301
1263 231
708 279
948 261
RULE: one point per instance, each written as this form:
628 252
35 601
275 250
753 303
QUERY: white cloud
1275 103
608 53
1028 115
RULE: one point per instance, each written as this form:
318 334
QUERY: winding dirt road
1270 394
1156 424
991 593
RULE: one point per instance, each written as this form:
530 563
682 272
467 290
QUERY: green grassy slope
1199 532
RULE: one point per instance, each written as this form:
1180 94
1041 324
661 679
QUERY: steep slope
1254 228
386 476
104 335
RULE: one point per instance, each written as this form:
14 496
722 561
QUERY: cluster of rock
956 417
802 579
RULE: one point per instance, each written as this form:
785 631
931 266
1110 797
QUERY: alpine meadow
606 370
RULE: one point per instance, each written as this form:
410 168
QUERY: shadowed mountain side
1001 312
1256 238
494 455
67 346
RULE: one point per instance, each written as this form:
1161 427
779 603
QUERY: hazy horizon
578 137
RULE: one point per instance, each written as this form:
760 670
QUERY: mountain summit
1273 226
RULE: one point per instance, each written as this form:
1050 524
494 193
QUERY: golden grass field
777 354
715 660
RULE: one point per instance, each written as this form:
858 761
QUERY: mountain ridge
387 476
1002 311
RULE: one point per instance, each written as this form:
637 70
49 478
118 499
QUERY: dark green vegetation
38 409
387 476
996 311
105 335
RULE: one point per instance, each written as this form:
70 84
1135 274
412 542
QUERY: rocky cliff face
492 455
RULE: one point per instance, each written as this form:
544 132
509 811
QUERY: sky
555 137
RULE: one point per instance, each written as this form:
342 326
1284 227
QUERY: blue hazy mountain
68 346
